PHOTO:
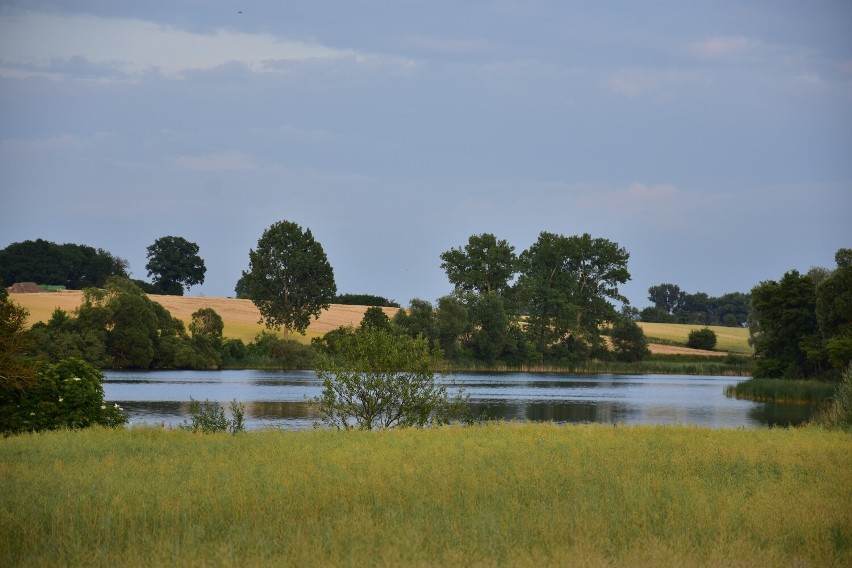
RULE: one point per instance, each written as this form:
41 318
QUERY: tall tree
174 264
667 297
567 284
289 277
484 265
783 327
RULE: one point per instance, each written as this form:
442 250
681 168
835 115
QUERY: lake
277 399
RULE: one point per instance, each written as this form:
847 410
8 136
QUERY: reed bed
497 494
783 390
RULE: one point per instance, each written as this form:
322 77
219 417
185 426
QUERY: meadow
497 494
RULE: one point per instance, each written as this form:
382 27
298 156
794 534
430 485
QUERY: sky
710 139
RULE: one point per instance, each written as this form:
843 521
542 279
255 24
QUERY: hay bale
24 288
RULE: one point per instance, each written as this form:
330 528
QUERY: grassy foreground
495 494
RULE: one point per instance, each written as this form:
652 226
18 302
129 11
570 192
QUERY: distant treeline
672 305
70 265
365 300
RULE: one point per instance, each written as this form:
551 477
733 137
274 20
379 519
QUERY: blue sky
712 140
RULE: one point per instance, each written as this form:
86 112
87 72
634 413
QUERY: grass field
241 320
500 494
733 339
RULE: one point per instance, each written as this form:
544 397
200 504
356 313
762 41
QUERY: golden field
240 316
241 320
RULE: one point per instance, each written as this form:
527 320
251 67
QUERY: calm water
278 398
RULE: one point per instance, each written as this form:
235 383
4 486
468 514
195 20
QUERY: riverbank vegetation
783 390
495 494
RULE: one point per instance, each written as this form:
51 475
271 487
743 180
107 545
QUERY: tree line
173 265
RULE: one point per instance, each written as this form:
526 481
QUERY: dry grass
240 316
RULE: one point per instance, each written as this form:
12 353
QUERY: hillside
241 320
240 316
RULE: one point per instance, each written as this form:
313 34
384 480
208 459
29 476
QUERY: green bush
701 339
210 417
68 394
839 413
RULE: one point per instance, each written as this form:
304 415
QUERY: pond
279 399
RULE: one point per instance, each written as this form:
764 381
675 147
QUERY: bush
839 413
701 339
377 379
628 341
210 417
68 394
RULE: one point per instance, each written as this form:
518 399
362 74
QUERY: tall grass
496 494
732 365
783 390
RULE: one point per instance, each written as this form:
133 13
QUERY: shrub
68 394
377 379
210 417
628 341
701 339
839 413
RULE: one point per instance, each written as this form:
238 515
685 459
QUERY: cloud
720 46
40 43
221 162
664 83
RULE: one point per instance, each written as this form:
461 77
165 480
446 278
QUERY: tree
783 324
73 266
834 311
418 320
68 394
17 371
376 318
377 379
628 341
453 326
289 278
701 339
566 284
485 265
667 297
174 263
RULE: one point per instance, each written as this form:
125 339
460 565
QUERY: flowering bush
68 394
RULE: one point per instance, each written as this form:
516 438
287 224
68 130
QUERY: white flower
32 413
103 407
76 379
60 399
116 405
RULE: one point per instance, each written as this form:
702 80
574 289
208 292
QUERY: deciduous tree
484 265
289 278
174 264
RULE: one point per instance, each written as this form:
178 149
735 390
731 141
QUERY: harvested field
734 339
240 316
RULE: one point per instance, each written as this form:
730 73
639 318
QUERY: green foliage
209 417
782 390
628 341
73 266
417 321
174 264
784 328
453 326
17 370
364 300
838 415
377 380
672 305
376 318
701 339
269 350
485 265
68 394
566 284
289 278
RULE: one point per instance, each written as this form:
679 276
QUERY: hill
241 320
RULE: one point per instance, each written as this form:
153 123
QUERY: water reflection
281 398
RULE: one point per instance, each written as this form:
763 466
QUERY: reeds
783 390
486 495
